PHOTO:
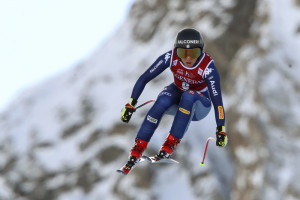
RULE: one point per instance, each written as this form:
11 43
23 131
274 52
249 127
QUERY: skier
196 84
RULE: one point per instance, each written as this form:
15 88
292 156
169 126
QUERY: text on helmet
188 41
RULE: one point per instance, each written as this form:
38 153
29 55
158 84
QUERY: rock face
63 139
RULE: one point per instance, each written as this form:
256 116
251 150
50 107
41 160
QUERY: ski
155 159
127 169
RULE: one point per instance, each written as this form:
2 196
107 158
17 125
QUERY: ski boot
167 149
135 156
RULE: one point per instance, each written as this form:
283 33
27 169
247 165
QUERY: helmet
188 39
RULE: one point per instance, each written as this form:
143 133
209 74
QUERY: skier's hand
128 110
221 136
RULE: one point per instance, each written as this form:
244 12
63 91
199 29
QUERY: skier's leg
165 99
182 119
201 107
191 104
200 111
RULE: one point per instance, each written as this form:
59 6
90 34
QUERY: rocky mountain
63 139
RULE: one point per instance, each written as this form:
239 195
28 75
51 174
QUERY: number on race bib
185 86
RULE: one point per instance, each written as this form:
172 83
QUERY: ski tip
202 163
121 172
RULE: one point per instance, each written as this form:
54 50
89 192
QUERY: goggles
192 53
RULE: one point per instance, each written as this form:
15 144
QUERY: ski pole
207 141
144 104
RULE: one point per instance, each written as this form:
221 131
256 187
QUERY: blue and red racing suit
188 98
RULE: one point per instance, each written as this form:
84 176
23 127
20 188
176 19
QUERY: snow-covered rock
63 139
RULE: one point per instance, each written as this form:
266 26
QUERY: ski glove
221 136
128 110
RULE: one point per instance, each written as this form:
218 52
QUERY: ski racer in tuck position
196 85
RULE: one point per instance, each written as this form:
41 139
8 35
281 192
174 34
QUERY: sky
39 39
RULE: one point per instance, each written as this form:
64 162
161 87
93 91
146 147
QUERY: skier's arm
154 70
212 79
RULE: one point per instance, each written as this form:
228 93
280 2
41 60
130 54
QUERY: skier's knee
189 96
163 102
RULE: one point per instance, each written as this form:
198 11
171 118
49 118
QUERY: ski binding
155 159
126 171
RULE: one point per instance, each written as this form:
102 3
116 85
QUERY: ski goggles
192 53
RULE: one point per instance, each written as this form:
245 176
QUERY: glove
128 110
221 137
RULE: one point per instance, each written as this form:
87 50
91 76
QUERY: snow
75 194
5 191
89 97
179 189
285 32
